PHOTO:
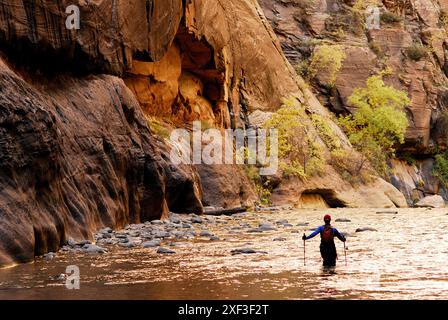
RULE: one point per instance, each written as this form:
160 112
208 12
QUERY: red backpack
327 234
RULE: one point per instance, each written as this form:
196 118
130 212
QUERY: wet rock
161 234
214 238
61 277
435 201
128 244
134 234
179 244
71 243
197 220
279 239
303 224
365 229
93 249
151 244
187 226
255 230
243 251
162 250
49 256
387 212
205 233
106 230
175 220
266 226
106 242
246 251
121 236
343 220
270 209
83 243
191 233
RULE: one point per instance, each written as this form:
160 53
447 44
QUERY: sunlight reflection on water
405 259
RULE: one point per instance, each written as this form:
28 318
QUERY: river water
406 258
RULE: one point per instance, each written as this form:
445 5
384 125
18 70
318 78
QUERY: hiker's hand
304 237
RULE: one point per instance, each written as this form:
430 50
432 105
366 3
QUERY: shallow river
406 258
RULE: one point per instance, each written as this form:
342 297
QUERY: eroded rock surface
77 155
412 26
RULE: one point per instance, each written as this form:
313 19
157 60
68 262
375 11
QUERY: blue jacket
321 229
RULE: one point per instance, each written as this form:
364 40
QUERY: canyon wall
77 151
404 28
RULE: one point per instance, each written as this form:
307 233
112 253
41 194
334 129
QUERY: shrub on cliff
444 19
326 132
327 61
300 155
416 52
390 18
157 127
440 169
379 122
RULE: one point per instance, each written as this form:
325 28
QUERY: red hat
327 217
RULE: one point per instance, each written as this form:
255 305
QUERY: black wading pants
329 254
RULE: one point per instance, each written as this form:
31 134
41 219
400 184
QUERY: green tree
300 154
379 122
327 59
440 169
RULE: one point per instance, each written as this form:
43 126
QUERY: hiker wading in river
327 246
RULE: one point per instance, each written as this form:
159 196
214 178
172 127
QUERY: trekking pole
304 261
345 253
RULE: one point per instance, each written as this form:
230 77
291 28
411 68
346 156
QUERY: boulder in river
93 249
435 201
205 233
151 244
165 251
302 224
279 239
266 226
128 244
106 230
49 256
365 229
343 220
197 220
243 251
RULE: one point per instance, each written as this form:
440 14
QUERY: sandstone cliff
419 25
76 150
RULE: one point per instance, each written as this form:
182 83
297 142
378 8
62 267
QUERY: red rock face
370 50
77 155
108 39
